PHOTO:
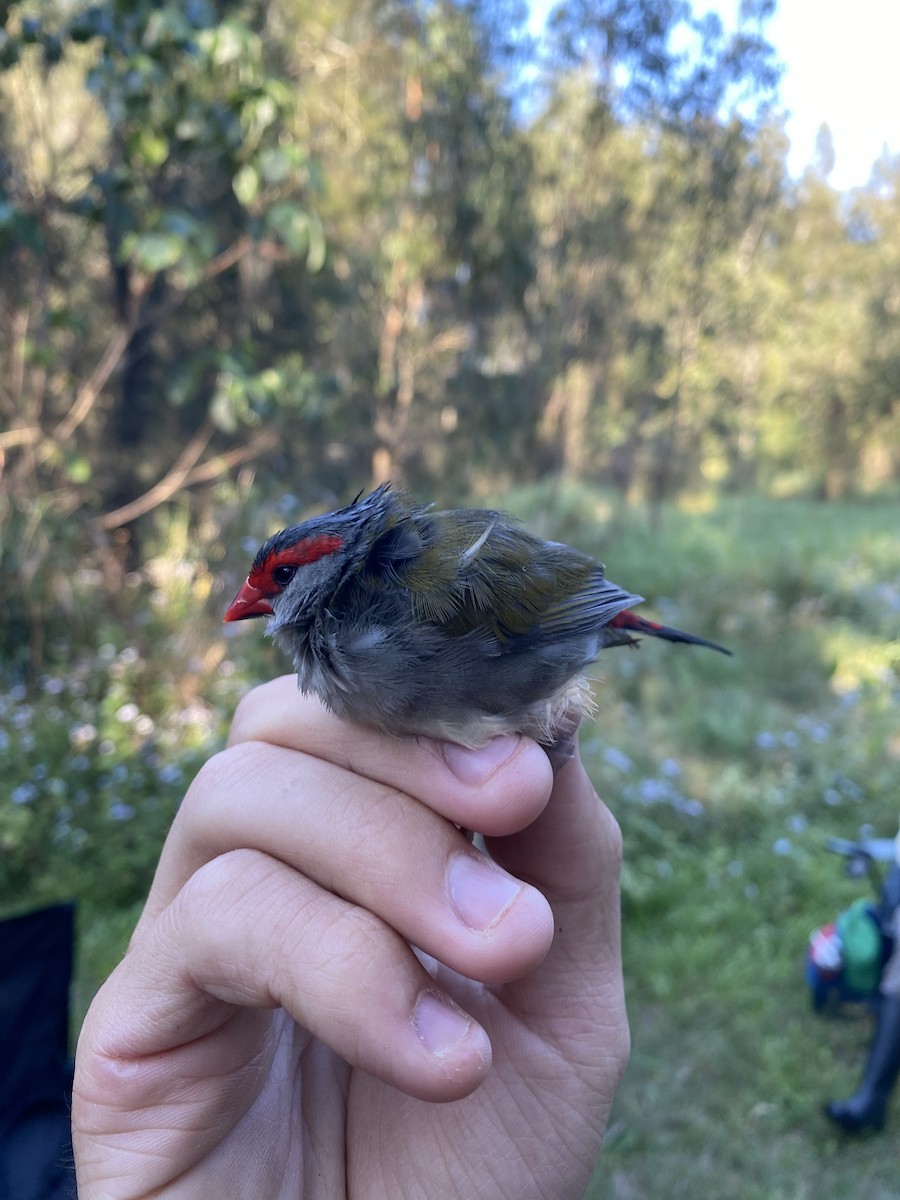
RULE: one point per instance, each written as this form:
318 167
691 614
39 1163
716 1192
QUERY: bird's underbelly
446 688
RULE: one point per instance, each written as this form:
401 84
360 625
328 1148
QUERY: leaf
290 223
151 147
246 184
153 252
79 469
225 43
318 246
300 231
262 112
166 25
189 129
222 412
182 224
275 164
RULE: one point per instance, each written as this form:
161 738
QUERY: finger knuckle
245 722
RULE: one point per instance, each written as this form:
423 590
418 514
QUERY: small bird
457 624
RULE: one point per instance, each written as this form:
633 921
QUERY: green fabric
860 947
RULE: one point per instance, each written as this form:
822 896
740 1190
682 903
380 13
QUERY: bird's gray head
299 569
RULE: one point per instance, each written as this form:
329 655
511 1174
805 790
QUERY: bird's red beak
249 602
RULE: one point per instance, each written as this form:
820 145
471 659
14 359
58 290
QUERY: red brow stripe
300 554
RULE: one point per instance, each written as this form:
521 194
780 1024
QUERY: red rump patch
300 554
629 620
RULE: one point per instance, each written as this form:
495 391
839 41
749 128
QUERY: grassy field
727 776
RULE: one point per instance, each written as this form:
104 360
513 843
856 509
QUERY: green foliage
98 747
460 261
96 752
254 254
727 777
132 234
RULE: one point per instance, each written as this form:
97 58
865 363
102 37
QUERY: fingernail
560 753
440 1027
479 892
475 766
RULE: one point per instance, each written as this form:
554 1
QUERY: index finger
496 789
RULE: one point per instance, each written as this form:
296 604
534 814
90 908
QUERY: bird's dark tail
628 622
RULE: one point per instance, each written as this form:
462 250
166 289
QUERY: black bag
35 1070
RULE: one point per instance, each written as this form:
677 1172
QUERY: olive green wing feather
486 576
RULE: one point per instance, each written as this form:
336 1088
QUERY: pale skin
271 1034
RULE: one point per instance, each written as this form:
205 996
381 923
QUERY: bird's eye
284 574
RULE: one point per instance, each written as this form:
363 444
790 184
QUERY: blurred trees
147 186
653 221
370 238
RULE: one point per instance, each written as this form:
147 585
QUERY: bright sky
842 66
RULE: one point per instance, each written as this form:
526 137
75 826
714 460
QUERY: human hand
271 1035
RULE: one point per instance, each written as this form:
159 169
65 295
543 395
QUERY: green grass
727 775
